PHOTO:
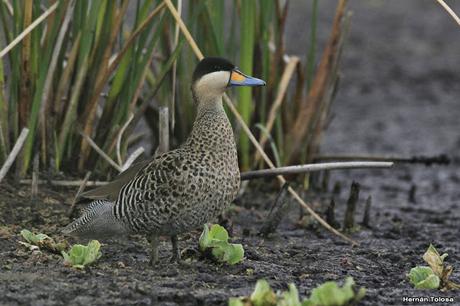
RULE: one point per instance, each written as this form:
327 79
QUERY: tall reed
91 64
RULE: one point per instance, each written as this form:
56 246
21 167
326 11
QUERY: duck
179 190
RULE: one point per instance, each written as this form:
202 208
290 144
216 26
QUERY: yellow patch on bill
237 77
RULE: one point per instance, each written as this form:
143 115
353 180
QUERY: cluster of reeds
87 75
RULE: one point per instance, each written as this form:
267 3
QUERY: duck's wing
161 190
112 189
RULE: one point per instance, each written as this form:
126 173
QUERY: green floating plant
41 241
216 239
327 294
330 294
424 278
80 255
436 276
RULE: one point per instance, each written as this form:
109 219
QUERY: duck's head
213 75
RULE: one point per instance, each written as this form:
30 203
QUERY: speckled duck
184 188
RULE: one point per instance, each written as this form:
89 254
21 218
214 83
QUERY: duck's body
184 188
179 190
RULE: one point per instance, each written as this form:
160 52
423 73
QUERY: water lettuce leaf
327 294
424 278
436 276
81 255
330 294
41 241
216 239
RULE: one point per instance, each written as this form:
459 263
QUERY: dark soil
398 95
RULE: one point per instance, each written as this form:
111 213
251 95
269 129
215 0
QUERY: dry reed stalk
246 129
285 79
174 69
25 82
29 29
14 153
321 84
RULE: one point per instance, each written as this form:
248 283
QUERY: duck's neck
212 129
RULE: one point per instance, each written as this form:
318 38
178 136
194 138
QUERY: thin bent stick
99 150
246 129
80 190
449 10
14 153
29 29
120 134
312 168
65 183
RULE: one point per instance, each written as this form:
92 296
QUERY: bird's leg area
154 242
175 249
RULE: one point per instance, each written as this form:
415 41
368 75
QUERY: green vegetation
41 241
424 278
88 67
330 294
80 256
327 294
436 276
216 240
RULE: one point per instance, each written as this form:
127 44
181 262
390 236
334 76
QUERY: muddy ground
399 95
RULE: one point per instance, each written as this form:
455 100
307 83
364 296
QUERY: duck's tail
97 222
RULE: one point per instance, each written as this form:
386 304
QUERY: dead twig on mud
298 169
441 159
449 11
14 153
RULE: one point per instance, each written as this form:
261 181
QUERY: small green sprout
41 241
436 276
327 294
80 255
216 239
